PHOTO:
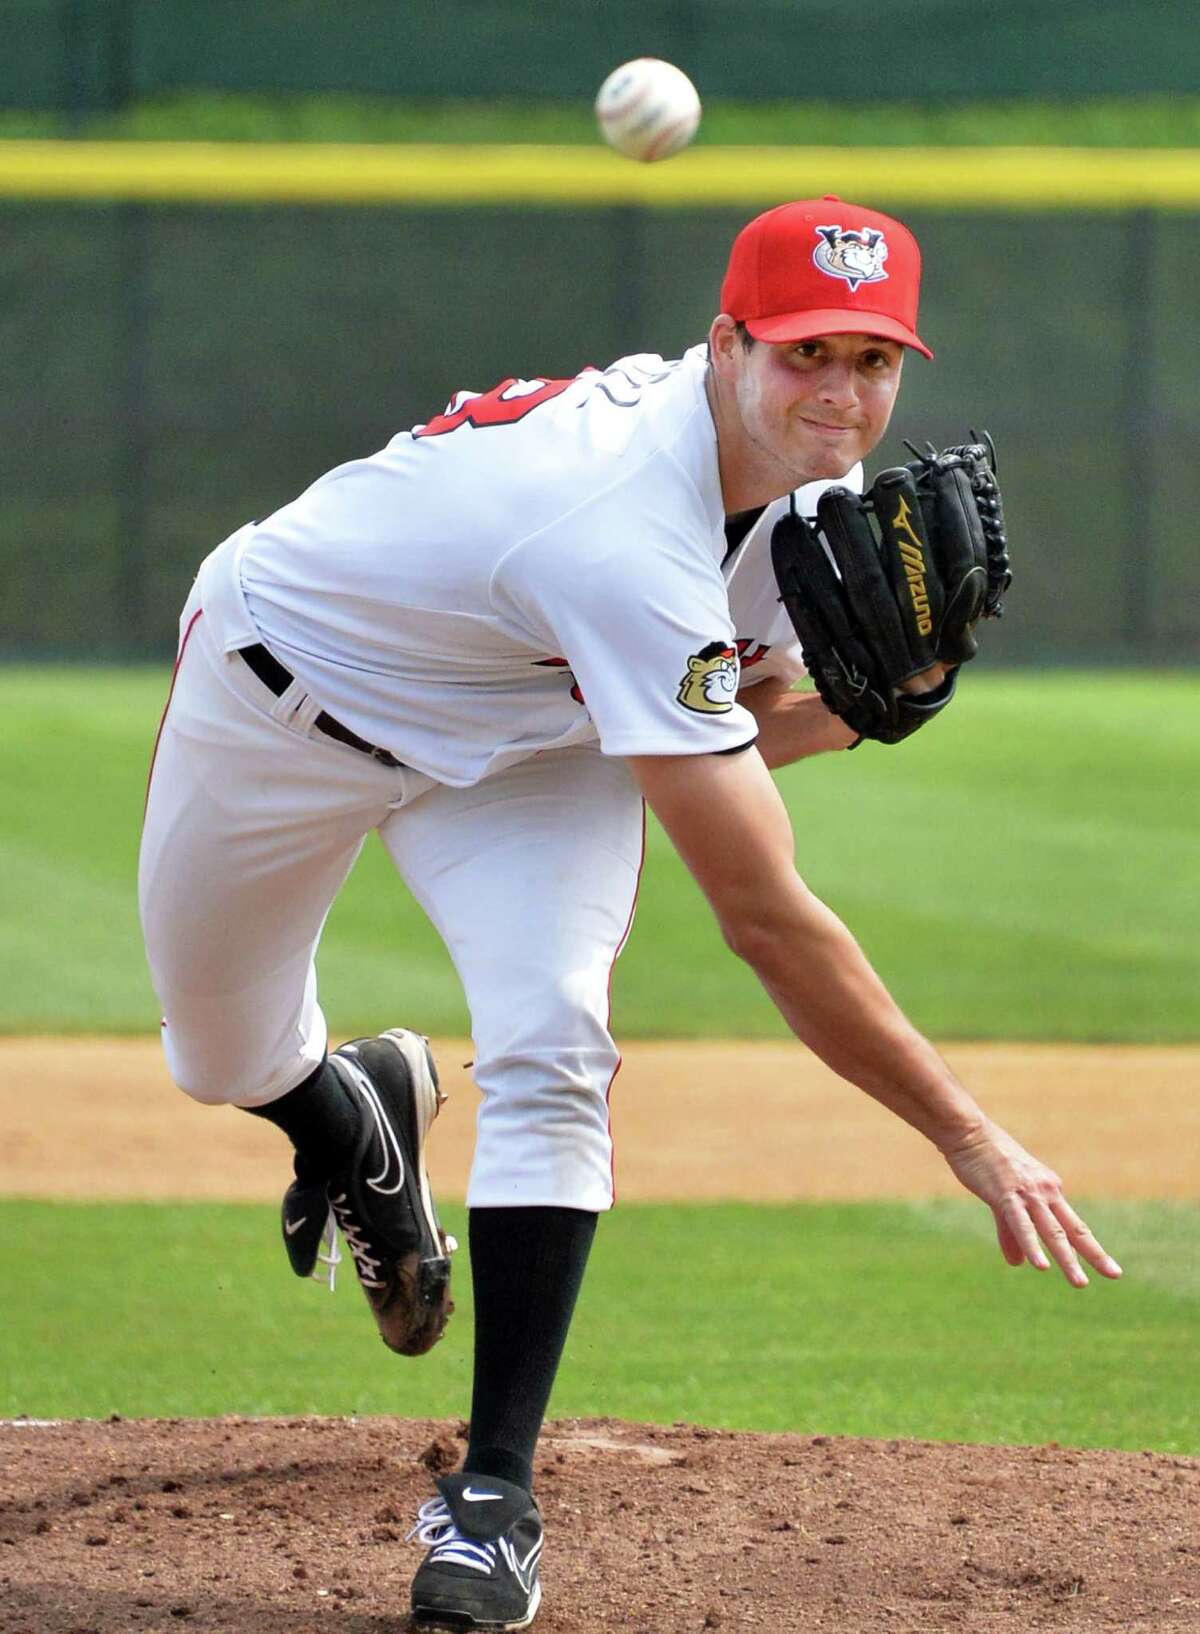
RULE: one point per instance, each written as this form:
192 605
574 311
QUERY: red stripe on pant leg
637 884
170 694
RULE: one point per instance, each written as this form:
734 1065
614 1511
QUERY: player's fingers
1084 1240
1015 1216
1009 1246
1053 1233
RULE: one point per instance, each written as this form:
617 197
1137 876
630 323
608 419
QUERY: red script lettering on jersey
751 652
505 404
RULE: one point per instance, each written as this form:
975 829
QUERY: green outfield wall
193 334
82 56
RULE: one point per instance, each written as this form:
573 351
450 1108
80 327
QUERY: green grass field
881 1320
1026 870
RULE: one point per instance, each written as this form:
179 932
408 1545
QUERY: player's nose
838 387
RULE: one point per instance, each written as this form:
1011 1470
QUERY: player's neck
750 477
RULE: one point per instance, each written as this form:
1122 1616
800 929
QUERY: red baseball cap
824 267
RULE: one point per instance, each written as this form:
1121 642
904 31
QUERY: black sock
319 1118
526 1268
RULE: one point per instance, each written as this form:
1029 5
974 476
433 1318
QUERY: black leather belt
277 680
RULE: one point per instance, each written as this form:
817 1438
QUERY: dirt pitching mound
298 1527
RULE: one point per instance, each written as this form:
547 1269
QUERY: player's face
814 408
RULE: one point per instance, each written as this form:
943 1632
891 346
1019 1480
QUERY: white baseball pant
254 819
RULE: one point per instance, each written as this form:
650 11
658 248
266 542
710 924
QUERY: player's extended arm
793 725
728 823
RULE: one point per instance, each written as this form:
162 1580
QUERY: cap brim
834 321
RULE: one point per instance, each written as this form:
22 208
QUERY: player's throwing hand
1026 1198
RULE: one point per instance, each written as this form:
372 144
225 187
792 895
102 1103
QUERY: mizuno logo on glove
912 559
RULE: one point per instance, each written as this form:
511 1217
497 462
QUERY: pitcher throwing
489 643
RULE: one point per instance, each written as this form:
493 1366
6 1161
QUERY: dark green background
82 55
175 371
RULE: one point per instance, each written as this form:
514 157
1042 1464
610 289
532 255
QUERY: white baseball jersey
541 565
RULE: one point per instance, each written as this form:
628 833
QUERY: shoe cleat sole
441 1622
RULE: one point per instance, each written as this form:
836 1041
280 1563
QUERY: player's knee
209 1097
201 1082
216 1077
561 1041
554 1066
541 1011
561 1082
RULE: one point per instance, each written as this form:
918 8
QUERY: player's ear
724 343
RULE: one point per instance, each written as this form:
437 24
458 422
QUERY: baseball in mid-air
648 109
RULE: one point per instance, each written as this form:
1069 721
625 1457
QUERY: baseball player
490 643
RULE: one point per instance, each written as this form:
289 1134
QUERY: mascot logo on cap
711 682
857 257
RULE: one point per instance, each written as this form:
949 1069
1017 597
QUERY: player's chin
827 463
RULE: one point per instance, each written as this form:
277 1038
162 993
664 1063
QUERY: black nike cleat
380 1201
481 1571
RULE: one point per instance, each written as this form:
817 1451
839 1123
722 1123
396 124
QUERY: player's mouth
825 428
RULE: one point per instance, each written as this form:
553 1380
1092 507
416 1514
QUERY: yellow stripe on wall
982 178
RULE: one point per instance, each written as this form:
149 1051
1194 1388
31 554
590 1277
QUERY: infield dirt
696 1122
298 1526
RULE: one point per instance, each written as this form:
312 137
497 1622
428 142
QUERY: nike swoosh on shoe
390 1179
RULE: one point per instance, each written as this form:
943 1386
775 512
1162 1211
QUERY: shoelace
329 1254
436 1529
368 1265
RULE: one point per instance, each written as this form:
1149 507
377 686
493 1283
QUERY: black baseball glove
894 580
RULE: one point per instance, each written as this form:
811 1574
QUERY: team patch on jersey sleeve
711 682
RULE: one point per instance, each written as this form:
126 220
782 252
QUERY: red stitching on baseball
666 138
627 107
